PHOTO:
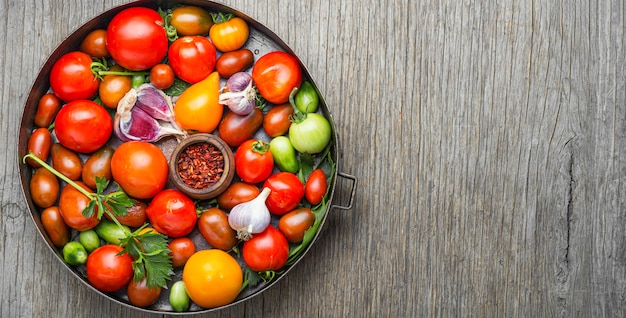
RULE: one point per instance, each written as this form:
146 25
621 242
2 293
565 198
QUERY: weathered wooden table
488 138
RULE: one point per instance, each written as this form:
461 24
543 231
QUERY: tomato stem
221 17
32 156
298 115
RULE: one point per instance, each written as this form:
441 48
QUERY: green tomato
307 99
137 80
74 253
111 232
284 154
179 299
89 239
310 135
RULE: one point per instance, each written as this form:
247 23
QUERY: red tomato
162 76
287 191
140 295
83 126
181 250
39 143
266 251
106 270
71 205
135 215
315 187
276 74
140 168
48 107
172 213
253 161
71 77
136 38
94 44
192 58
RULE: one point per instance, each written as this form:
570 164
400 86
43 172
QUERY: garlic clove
154 102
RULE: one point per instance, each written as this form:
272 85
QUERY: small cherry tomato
192 58
94 44
191 20
108 269
98 164
113 87
140 295
181 250
213 278
172 213
277 120
71 205
253 161
229 33
140 168
135 215
295 223
71 77
44 188
55 227
287 191
266 251
66 162
48 107
83 126
232 62
235 129
315 187
162 76
39 143
213 225
276 74
236 193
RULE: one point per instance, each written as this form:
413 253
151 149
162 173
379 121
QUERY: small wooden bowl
216 188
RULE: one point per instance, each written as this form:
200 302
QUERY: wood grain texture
488 139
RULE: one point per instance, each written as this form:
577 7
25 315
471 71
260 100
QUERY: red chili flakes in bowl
200 165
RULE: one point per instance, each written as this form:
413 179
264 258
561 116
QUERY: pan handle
352 192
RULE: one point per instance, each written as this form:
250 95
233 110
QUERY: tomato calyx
298 115
99 68
260 147
221 17
170 30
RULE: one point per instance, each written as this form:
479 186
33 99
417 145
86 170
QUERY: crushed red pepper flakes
200 165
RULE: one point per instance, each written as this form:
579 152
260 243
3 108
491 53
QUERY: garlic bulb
250 217
239 94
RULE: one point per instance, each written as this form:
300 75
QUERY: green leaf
152 259
177 87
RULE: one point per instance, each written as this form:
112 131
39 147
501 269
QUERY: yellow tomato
229 33
197 109
213 278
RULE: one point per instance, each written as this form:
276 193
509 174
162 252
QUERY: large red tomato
276 74
287 192
172 213
136 38
71 77
266 251
83 126
253 161
140 168
192 58
106 270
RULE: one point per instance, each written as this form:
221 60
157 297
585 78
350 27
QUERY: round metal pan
261 41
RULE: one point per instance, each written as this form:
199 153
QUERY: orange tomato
140 168
197 109
229 34
113 87
213 278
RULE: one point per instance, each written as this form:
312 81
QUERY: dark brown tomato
44 188
54 226
232 62
48 107
66 161
39 143
214 227
235 129
97 165
295 223
94 44
140 295
236 193
277 120
71 205
135 215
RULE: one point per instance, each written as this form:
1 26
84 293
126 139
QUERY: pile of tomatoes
175 51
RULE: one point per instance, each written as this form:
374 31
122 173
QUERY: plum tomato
181 249
253 161
71 205
191 20
140 295
315 187
55 227
172 213
229 33
48 107
107 269
266 251
277 120
235 129
71 77
213 278
236 193
140 168
94 44
39 143
232 62
162 76
136 38
276 74
44 188
287 192
98 164
214 227
83 126
294 224
192 58
65 161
